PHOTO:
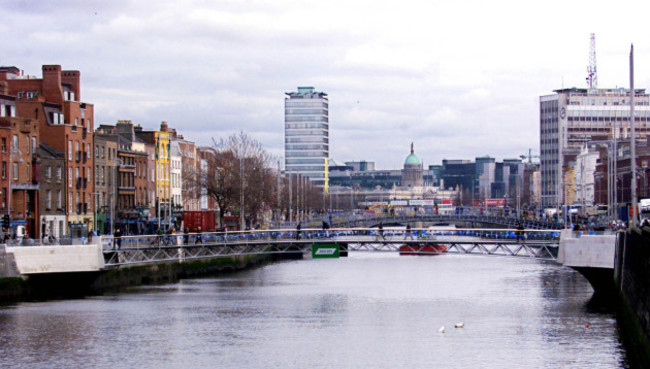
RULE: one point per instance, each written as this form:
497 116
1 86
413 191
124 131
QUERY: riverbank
76 285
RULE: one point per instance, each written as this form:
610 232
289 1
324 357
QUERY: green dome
412 158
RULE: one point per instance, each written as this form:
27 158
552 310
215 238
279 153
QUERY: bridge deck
148 249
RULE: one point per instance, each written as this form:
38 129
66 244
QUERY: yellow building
161 140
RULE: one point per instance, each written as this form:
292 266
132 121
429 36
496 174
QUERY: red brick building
66 124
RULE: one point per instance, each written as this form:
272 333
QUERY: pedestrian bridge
460 219
590 254
541 244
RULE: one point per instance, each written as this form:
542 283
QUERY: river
370 310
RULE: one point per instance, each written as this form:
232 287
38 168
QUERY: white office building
573 117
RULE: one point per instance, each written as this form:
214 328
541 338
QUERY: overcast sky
459 78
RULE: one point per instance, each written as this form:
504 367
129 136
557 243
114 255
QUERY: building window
4 144
58 200
4 170
76 121
70 150
70 202
15 147
58 174
34 146
88 150
48 200
15 171
70 177
48 173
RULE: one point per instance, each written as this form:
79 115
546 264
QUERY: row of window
305 111
306 139
305 147
319 125
305 153
305 104
308 118
78 155
305 161
305 132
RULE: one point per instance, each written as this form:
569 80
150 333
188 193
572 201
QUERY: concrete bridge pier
592 256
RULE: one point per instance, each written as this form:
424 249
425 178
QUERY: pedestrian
298 230
118 238
520 232
199 237
408 232
381 230
186 235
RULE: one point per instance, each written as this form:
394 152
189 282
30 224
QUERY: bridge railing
485 218
389 234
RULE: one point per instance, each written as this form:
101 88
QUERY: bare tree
239 170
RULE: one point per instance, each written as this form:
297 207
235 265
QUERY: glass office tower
306 134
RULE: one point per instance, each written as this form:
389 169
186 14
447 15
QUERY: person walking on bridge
520 232
118 238
298 230
408 232
380 233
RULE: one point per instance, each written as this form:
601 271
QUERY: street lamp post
634 198
242 221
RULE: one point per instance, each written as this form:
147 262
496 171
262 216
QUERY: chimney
73 77
52 84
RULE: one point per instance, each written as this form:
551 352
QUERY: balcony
79 183
84 134
84 156
78 156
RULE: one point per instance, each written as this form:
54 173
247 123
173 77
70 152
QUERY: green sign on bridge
325 250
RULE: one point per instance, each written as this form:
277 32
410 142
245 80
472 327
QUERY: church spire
412 152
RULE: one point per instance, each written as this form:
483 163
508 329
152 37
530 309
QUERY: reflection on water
365 311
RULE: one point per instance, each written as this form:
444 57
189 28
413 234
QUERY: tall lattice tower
592 76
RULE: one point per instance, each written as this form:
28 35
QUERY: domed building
412 172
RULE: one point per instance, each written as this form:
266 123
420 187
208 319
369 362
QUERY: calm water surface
365 311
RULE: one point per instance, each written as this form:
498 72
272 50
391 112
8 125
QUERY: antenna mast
592 76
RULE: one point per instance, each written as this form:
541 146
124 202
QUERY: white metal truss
154 249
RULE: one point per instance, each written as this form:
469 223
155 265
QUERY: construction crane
592 75
530 156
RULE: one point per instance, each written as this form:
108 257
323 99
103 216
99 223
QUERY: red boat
422 249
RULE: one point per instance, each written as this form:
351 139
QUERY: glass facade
306 134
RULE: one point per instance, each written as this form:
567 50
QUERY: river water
370 310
